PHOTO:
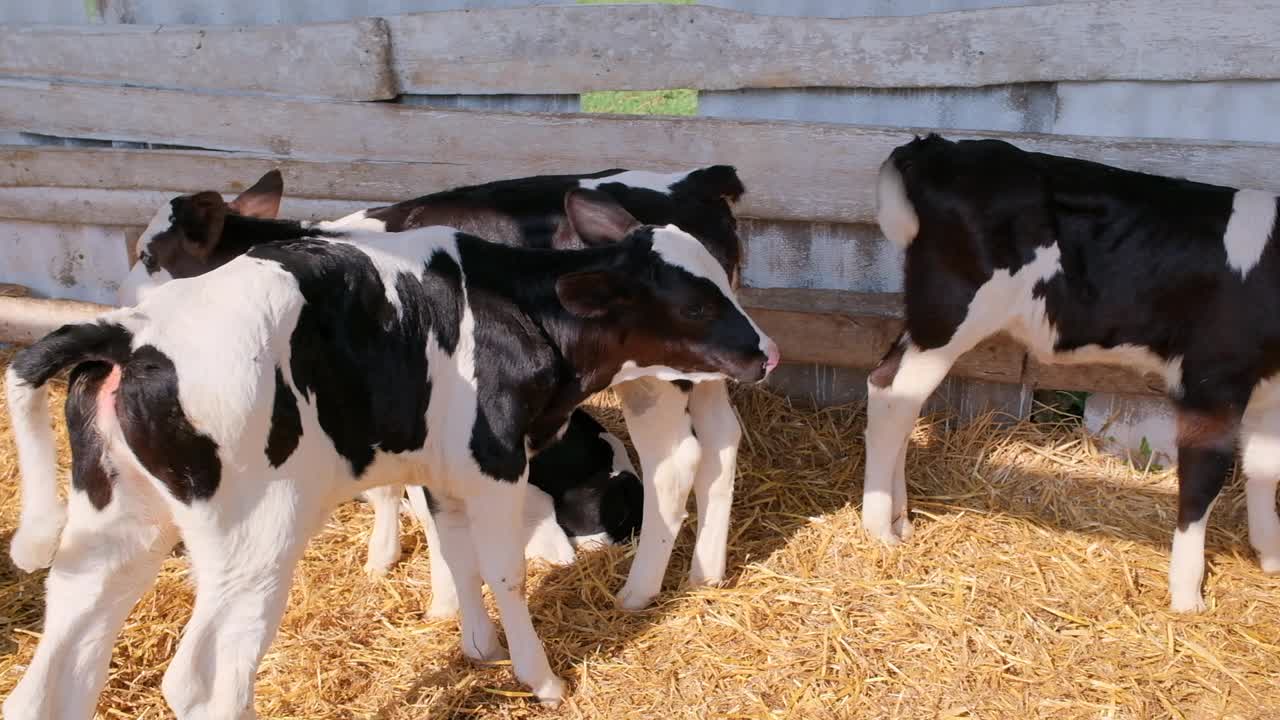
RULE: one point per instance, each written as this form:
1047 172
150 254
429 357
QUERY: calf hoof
887 530
33 550
632 600
1270 564
376 570
442 608
381 559
697 579
492 652
1268 556
903 528
884 534
552 554
550 693
1188 605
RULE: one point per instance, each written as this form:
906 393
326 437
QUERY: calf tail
894 212
43 514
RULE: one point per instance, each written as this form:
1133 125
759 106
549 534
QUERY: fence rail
344 61
296 98
547 50
573 49
795 171
857 329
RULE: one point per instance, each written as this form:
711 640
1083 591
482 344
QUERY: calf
1087 263
234 410
583 491
590 467
686 436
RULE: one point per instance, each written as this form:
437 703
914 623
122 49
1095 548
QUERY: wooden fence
307 99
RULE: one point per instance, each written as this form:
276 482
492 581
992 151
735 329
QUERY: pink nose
771 354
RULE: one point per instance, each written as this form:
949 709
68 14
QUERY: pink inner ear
596 217
263 199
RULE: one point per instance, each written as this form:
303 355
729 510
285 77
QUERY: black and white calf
583 492
1088 263
586 456
686 436
234 410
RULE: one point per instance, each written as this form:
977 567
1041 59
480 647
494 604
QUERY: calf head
185 238
699 203
664 309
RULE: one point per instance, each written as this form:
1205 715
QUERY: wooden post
24 320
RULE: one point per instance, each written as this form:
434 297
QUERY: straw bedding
1034 587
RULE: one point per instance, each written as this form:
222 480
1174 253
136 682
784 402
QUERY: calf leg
384 540
718 433
662 433
494 513
243 568
106 559
455 539
896 390
444 596
902 522
1261 465
1206 449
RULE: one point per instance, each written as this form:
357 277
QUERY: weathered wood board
24 320
64 260
824 256
344 60
856 330
799 171
959 398
96 206
545 50
195 170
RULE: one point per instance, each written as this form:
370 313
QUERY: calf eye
700 311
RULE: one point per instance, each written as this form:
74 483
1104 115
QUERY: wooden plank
1094 378
960 399
195 170
342 60
75 261
798 171
849 329
887 306
840 329
854 330
95 206
548 50
25 320
845 340
818 255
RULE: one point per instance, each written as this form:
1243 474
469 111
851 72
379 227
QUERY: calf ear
263 199
716 181
200 217
593 294
596 217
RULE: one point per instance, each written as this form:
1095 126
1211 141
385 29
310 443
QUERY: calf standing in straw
1088 263
686 436
234 410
